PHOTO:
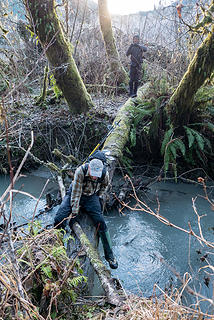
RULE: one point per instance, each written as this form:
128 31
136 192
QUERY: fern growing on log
170 149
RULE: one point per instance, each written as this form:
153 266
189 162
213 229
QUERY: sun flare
126 6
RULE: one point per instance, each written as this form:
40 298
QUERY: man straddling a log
89 185
136 51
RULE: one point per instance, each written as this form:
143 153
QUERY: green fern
133 136
190 136
47 271
194 135
59 252
178 143
170 148
74 282
166 139
208 125
199 139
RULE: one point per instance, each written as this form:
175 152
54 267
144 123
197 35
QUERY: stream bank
54 127
140 240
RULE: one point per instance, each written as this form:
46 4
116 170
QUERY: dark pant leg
136 84
64 210
131 88
92 206
134 79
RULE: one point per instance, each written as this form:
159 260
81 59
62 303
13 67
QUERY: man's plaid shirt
87 187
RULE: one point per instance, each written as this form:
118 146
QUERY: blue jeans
90 204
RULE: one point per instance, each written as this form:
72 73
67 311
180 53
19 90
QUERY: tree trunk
116 68
180 106
58 51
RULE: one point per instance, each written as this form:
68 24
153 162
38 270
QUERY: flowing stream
146 249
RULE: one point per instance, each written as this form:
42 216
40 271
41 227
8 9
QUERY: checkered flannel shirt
87 187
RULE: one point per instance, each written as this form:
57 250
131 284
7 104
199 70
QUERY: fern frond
209 125
190 136
166 139
199 138
208 143
166 161
172 148
133 136
199 156
76 281
180 146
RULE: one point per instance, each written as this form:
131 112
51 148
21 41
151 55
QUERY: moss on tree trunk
47 26
111 50
201 67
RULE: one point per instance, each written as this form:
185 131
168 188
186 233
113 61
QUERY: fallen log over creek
113 148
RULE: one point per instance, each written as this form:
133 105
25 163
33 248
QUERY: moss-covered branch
207 19
68 159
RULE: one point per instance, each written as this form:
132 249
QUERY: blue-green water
23 206
140 240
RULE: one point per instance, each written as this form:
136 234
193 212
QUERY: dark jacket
136 52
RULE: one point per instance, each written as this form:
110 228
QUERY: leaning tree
46 26
116 68
181 104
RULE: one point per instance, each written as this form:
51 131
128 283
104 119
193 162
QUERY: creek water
140 240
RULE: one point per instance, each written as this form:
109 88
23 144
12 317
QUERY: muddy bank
53 127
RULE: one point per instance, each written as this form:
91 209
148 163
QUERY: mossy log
117 70
47 26
181 103
115 143
102 272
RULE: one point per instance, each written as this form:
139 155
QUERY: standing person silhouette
136 51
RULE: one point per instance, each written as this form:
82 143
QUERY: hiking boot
134 95
113 264
107 246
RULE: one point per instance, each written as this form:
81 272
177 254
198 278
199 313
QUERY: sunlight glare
126 6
